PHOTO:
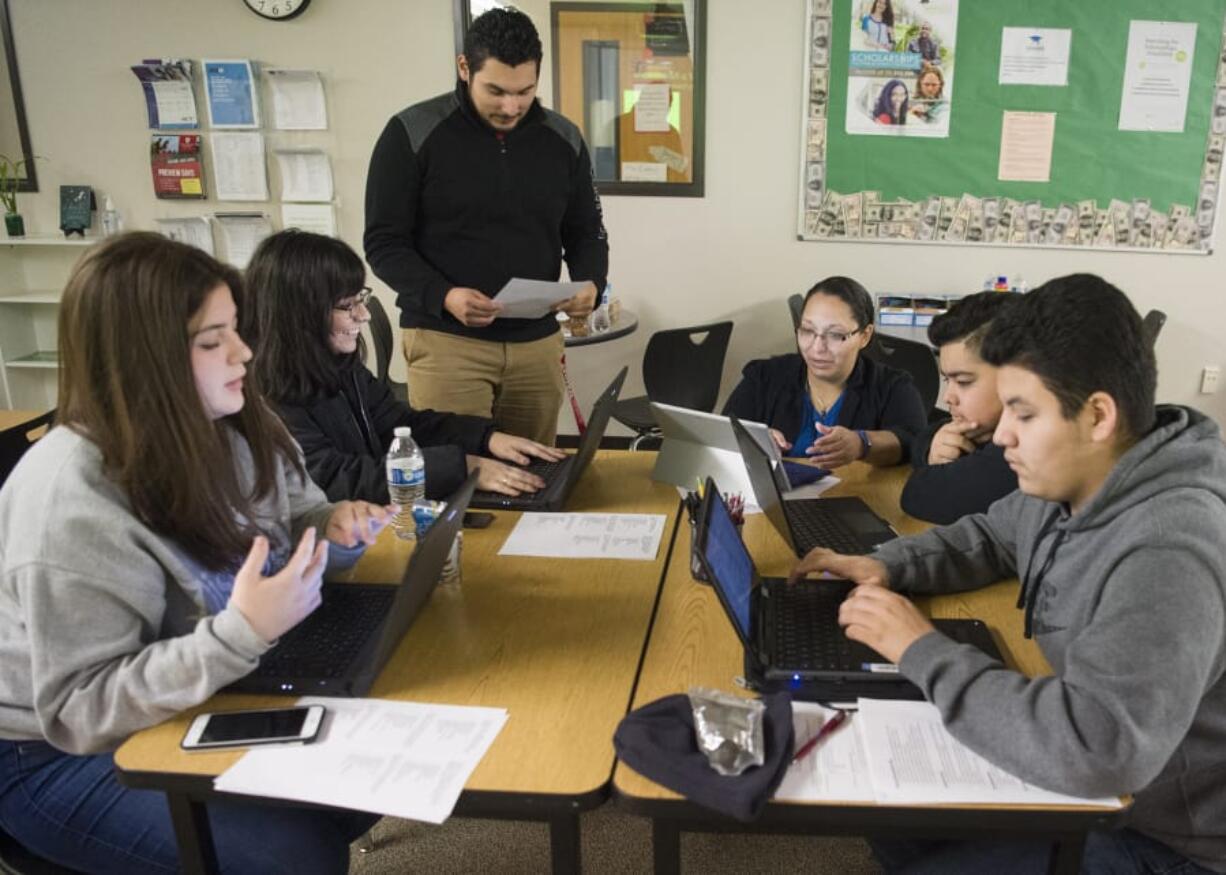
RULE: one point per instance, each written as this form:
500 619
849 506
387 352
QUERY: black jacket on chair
345 435
877 398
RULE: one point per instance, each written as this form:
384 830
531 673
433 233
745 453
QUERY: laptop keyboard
812 526
801 614
546 470
325 643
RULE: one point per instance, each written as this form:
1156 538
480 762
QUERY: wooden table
693 644
557 643
9 418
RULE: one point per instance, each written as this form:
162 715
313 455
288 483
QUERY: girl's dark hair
885 106
506 35
850 293
126 383
294 280
887 13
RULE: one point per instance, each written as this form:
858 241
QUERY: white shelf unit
33 271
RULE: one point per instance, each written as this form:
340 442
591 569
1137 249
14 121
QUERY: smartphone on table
222 729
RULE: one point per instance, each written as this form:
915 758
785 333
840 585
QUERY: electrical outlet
1208 379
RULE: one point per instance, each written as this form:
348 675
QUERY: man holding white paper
466 192
1116 536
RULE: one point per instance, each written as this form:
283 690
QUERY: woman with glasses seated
830 402
307 306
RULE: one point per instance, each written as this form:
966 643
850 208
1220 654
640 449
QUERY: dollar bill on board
1086 211
815 183
819 93
1218 124
1060 223
853 214
1138 220
1120 221
931 219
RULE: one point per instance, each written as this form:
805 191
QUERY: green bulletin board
1091 157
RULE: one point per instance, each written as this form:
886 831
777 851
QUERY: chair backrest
381 335
1152 324
917 359
15 440
796 306
683 366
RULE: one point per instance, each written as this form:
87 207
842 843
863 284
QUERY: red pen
828 728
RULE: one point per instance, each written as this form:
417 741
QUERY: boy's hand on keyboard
274 605
504 478
860 570
358 522
515 449
885 621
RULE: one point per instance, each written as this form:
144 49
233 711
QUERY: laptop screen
729 564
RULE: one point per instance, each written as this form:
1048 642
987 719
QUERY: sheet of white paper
1157 72
316 218
532 299
176 104
1034 55
194 231
913 758
651 109
1026 140
836 770
297 100
586 535
403 759
644 171
238 166
812 490
241 234
306 175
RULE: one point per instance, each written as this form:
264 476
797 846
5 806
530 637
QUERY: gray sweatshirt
1128 602
104 624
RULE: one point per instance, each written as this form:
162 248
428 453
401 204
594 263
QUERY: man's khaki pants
518 385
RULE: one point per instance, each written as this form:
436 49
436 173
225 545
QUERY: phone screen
245 725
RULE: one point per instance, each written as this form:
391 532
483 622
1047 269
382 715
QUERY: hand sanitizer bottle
112 224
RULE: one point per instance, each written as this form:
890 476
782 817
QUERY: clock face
278 10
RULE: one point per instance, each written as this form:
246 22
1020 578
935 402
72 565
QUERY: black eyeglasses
361 299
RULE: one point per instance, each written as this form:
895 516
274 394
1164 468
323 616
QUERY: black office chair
384 343
1151 325
16 860
796 306
682 367
917 359
15 440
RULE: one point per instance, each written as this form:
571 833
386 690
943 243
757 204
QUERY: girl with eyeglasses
308 306
828 401
153 545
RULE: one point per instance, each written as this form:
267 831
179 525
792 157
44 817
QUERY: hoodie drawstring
1028 596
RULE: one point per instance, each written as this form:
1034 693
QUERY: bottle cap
110 206
402 431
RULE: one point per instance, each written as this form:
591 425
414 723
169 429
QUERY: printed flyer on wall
177 169
900 71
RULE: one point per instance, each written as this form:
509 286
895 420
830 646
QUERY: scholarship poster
900 71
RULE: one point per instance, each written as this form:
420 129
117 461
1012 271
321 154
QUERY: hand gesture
836 447
517 449
952 441
358 522
471 307
274 605
500 477
780 441
580 305
885 621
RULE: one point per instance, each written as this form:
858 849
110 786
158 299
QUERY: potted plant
10 178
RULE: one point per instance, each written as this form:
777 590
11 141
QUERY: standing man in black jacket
466 191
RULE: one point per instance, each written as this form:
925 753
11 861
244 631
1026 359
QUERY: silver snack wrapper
729 730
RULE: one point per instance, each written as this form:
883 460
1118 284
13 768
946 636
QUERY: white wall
732 254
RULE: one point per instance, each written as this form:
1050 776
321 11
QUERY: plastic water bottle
406 480
112 224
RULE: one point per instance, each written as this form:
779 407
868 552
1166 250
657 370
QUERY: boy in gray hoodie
1116 534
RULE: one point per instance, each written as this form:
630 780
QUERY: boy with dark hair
956 468
1116 535
466 191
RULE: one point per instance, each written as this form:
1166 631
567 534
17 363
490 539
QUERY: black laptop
560 477
341 647
791 633
846 525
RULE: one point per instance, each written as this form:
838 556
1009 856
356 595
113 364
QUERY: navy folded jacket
658 742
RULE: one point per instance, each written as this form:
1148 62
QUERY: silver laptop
698 445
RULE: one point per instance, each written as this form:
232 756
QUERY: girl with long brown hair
153 545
